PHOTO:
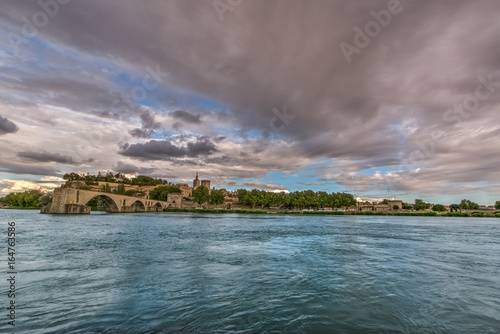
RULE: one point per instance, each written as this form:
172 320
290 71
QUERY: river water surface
199 273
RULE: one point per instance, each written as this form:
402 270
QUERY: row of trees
296 200
27 199
140 180
202 195
120 190
465 204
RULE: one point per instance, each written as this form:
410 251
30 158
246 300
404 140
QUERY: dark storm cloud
126 168
149 124
7 126
64 87
265 61
185 116
203 146
140 133
148 120
256 185
28 169
122 167
268 56
43 156
165 150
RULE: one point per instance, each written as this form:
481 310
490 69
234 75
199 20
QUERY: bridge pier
66 209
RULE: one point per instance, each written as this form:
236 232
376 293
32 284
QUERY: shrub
133 192
161 193
438 207
455 214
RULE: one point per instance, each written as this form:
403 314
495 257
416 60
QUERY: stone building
379 207
186 190
174 200
393 203
206 184
196 182
365 206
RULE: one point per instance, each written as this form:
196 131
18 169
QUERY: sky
381 99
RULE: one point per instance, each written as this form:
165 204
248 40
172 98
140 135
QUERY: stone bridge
487 212
74 201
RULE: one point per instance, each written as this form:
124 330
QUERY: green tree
497 205
161 193
106 188
142 180
323 199
132 192
421 205
455 207
438 207
395 207
45 199
73 177
242 195
407 206
27 199
295 200
201 195
253 197
120 190
346 200
279 199
466 204
217 197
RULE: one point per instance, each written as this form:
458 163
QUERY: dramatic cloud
126 168
7 126
356 94
165 150
148 125
43 156
28 169
257 185
8 186
185 116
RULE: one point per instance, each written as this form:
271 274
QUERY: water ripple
199 273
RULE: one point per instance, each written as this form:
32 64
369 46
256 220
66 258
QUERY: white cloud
10 186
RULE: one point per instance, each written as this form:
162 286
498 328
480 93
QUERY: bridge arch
138 206
111 205
158 207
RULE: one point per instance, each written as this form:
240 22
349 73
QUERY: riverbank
351 213
18 208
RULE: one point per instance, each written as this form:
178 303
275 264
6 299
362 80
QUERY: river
201 273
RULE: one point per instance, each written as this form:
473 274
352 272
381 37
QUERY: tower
196 182
206 184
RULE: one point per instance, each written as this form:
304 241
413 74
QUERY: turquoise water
198 273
